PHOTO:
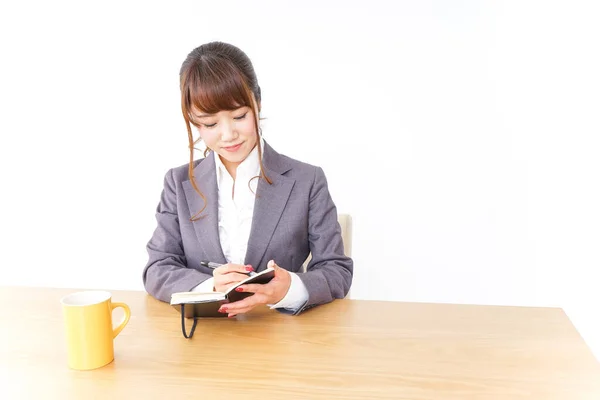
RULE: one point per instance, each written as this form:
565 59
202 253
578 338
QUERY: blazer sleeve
166 271
329 273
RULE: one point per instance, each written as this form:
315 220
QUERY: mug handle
125 308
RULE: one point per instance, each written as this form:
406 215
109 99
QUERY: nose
228 132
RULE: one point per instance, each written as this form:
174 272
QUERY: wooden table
344 350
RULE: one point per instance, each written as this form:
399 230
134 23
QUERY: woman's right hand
229 274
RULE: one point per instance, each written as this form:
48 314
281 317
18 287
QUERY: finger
250 288
229 279
273 264
279 272
230 268
241 306
237 306
232 313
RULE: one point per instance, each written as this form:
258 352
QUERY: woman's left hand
268 293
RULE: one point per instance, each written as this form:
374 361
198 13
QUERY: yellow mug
89 328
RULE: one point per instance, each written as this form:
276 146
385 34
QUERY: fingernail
239 289
231 316
249 268
270 263
223 309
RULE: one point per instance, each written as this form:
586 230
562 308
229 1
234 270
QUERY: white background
462 137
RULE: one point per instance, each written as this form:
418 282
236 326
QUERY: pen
213 265
210 264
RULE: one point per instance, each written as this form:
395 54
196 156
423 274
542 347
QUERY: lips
233 148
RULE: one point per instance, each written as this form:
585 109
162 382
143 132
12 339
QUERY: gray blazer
292 217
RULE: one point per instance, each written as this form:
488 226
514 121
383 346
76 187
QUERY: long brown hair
214 77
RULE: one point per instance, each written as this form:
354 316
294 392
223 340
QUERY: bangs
219 87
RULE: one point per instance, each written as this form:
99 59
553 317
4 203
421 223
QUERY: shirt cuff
296 296
206 286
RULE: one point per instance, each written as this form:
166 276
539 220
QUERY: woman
243 205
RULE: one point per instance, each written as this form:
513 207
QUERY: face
230 134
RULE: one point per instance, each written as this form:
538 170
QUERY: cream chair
346 224
345 221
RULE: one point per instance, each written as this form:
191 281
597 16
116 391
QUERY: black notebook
207 304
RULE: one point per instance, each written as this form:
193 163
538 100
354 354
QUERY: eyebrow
212 115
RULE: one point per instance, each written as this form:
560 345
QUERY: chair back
345 221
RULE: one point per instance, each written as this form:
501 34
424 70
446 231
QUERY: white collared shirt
236 209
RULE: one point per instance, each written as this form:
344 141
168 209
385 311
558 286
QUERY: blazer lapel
207 226
268 207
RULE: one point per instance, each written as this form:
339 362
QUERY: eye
241 116
210 125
